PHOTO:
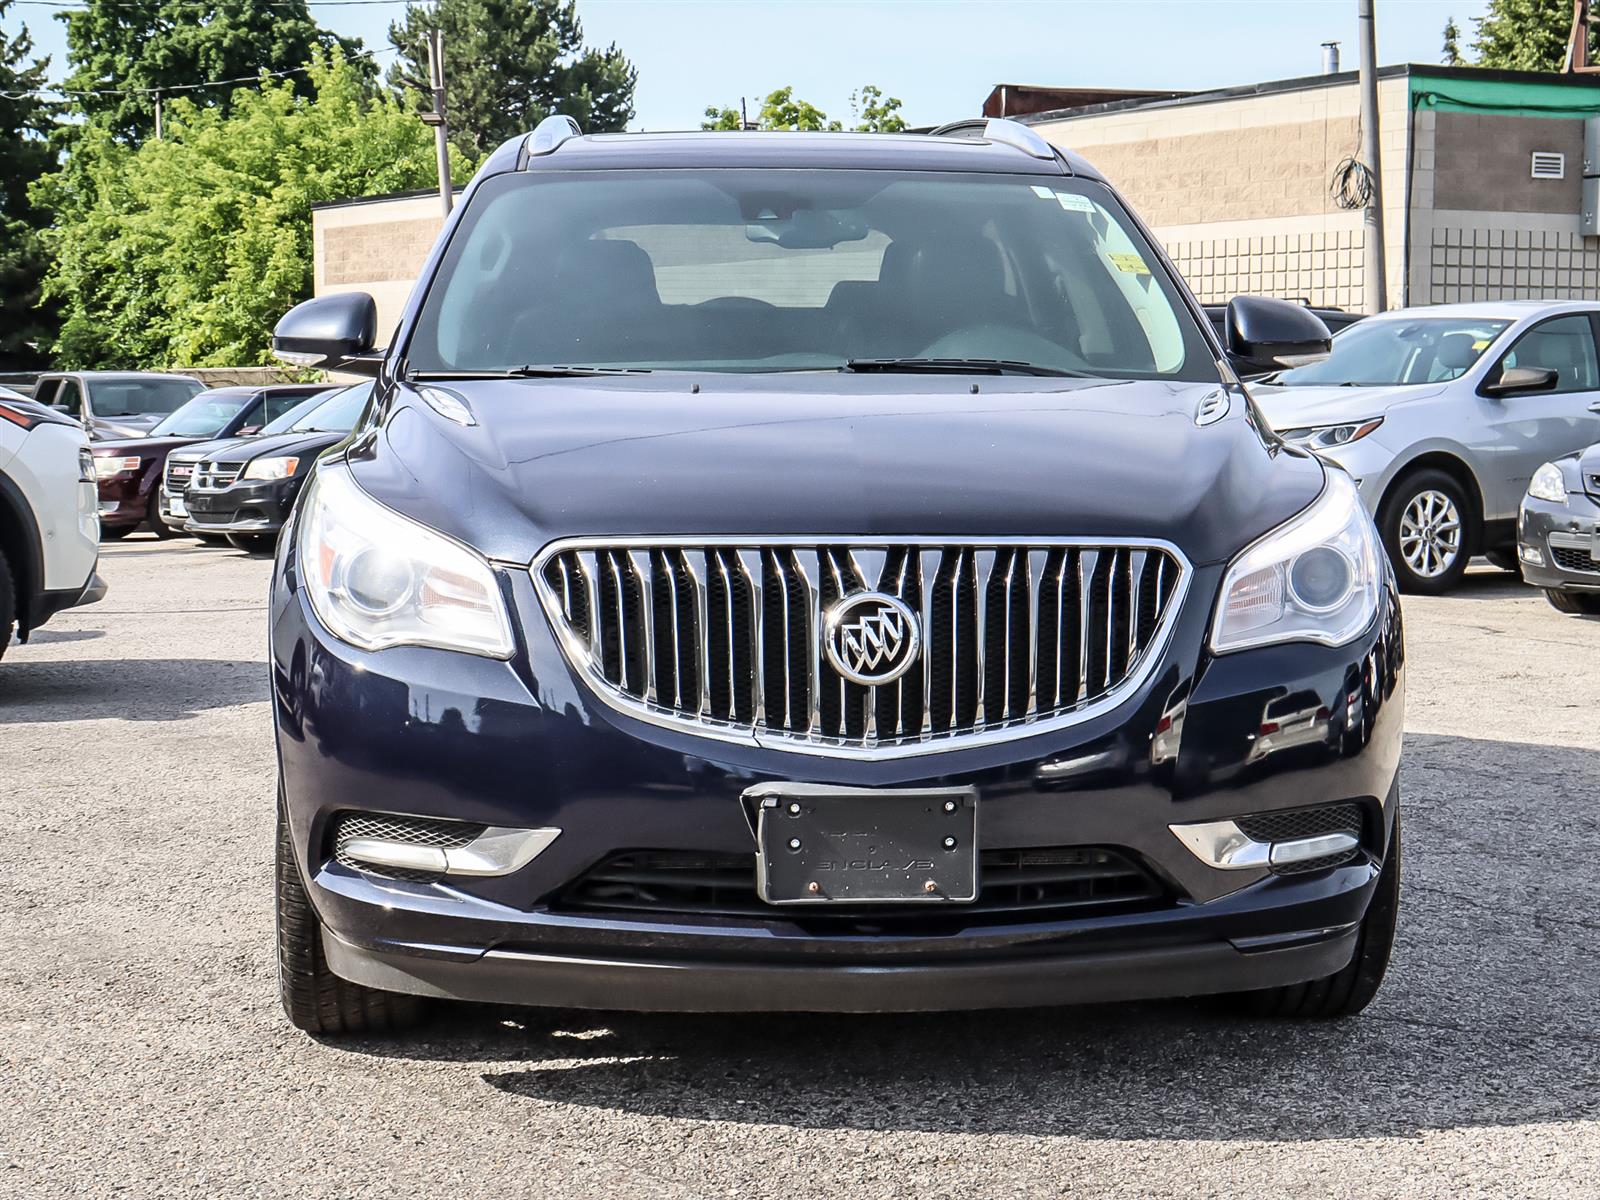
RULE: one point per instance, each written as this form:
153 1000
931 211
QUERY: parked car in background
116 404
130 470
242 488
1443 414
1558 534
49 530
807 571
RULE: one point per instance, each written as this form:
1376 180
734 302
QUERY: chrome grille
215 475
725 635
178 475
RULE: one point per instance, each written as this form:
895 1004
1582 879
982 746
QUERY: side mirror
1269 335
1514 380
247 430
330 331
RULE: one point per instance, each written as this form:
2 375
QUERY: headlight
270 468
1330 437
1315 578
105 466
377 579
86 468
1549 483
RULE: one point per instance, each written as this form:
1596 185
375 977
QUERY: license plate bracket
826 845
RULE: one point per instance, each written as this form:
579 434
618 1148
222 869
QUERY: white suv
49 523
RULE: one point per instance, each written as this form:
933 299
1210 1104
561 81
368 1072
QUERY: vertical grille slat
729 635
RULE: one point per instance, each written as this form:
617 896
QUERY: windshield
140 397
326 412
204 416
1409 350
765 270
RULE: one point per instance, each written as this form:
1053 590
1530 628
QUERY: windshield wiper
529 371
958 366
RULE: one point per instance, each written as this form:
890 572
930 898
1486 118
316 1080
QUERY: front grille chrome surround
1020 636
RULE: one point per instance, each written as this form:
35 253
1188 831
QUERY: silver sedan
1442 415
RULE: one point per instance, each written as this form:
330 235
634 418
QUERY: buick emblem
871 638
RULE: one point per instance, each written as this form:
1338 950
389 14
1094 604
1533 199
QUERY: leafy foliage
511 63
1450 52
126 44
185 251
25 155
870 112
1525 35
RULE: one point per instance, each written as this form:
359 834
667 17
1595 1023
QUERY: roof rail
998 129
549 133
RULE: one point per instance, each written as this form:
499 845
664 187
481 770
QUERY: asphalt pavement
143 1053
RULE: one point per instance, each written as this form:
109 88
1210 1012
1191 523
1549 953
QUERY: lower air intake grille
1293 824
414 831
1570 559
1014 884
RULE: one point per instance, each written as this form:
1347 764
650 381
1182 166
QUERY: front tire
314 998
8 604
1346 992
1429 528
157 526
1578 604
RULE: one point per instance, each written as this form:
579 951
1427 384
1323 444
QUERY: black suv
829 572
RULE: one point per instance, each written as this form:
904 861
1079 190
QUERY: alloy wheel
1430 533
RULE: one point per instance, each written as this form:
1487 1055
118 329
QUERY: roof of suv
863 151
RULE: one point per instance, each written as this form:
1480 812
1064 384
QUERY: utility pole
1376 288
437 117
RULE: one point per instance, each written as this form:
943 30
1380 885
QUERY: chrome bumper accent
496 851
1223 845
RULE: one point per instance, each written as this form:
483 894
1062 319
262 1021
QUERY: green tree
781 111
509 64
185 251
873 113
1450 53
1525 35
726 120
122 46
25 154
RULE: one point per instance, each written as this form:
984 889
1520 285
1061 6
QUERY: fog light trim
1226 847
498 850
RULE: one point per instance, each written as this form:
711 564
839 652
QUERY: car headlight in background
1548 483
377 579
271 468
1315 578
86 465
105 466
1330 437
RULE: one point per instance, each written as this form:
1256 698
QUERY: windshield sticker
1481 344
1131 263
1043 192
1073 202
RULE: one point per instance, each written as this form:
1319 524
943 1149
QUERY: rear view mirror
1269 335
334 331
1514 380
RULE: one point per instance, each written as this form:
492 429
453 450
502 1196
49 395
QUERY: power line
184 87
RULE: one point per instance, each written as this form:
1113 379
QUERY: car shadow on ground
1487 1017
129 689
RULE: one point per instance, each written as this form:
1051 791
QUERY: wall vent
1549 165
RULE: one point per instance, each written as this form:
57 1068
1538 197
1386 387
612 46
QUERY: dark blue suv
823 572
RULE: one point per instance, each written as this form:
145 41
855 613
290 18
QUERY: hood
157 448
126 427
243 449
1298 407
820 455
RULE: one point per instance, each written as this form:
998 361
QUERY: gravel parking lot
144 1052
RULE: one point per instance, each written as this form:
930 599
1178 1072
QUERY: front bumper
1558 545
433 734
248 506
124 500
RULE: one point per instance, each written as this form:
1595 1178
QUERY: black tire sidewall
8 603
1389 530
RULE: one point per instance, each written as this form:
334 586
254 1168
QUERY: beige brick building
1482 176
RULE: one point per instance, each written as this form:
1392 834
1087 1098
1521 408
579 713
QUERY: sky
940 57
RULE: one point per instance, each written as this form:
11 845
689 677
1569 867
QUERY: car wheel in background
315 999
114 533
1348 991
253 543
8 604
1583 604
1429 528
157 526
